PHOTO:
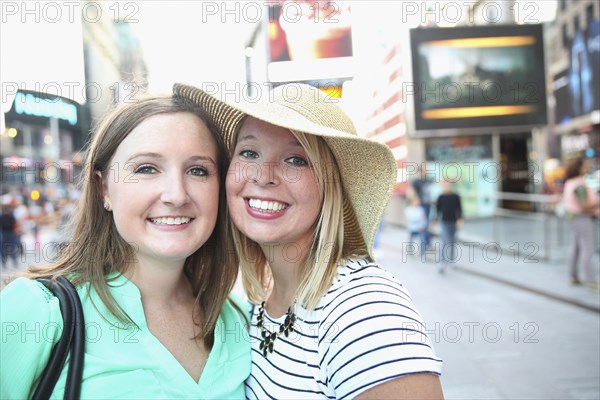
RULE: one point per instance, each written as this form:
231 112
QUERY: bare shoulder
414 386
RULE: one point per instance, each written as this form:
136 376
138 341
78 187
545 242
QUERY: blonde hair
327 250
96 248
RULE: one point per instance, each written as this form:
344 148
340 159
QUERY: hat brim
367 168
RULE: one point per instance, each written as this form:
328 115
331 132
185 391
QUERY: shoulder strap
72 338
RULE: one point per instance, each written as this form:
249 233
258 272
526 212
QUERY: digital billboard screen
577 88
478 78
309 40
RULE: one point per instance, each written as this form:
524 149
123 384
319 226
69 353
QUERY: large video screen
577 89
309 40
479 79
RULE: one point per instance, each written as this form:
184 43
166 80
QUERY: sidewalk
508 250
498 337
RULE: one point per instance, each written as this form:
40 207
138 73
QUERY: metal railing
545 223
541 234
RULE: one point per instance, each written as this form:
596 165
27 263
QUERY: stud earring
107 206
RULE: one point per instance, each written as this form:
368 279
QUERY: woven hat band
317 107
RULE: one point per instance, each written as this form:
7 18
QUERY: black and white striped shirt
364 331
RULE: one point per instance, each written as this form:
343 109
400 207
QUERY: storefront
468 163
40 141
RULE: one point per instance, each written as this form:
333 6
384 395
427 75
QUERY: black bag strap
72 339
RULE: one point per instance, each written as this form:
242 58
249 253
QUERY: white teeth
263 205
170 220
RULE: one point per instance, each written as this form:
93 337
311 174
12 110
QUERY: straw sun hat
367 168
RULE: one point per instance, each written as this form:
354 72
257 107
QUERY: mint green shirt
121 362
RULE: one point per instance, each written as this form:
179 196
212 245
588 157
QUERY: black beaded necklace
267 338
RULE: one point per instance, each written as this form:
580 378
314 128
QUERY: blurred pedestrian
423 186
306 194
450 216
153 263
582 207
36 219
66 210
9 241
416 221
21 213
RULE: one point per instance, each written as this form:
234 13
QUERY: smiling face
272 193
163 189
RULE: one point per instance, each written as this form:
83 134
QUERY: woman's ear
100 185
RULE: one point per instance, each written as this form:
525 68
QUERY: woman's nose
174 191
267 173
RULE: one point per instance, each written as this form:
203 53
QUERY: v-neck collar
129 298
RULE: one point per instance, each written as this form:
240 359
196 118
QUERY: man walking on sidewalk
9 240
449 212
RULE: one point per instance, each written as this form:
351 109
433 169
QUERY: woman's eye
248 154
297 161
145 169
198 171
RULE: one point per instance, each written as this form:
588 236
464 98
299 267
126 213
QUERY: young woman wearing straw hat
152 261
306 195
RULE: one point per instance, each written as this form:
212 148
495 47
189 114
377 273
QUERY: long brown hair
96 249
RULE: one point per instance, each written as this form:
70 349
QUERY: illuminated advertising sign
577 89
478 78
36 108
309 40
